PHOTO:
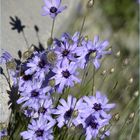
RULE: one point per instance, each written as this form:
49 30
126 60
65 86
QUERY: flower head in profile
65 75
40 129
5 57
52 8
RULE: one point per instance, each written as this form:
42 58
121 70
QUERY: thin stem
81 30
52 27
27 44
93 75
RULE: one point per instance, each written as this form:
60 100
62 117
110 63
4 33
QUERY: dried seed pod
116 117
11 64
51 57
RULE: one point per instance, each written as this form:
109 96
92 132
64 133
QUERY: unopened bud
52 83
136 93
27 54
90 3
102 130
131 80
118 53
50 41
131 116
110 49
75 113
31 49
103 72
126 61
116 117
112 70
86 38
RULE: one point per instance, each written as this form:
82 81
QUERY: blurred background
115 20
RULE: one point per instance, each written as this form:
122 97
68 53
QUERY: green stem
81 30
52 28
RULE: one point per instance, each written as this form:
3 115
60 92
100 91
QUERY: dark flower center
66 74
42 110
34 94
68 114
41 64
93 124
91 52
97 107
65 52
27 77
53 9
39 133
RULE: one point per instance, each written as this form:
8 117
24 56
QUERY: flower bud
136 93
118 54
131 116
116 117
90 3
131 80
52 83
27 54
86 38
112 70
50 41
103 72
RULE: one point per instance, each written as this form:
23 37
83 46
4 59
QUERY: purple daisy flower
32 96
45 108
40 129
66 51
99 104
52 8
65 75
93 124
66 37
69 111
6 57
3 133
26 81
96 50
38 66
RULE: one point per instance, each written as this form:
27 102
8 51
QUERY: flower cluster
50 72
